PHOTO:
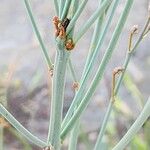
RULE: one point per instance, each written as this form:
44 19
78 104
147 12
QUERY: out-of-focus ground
29 82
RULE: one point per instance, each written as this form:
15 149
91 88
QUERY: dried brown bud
75 86
69 44
134 29
117 70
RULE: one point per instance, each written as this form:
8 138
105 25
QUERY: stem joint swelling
60 31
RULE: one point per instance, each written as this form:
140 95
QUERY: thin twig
116 89
36 30
20 128
134 128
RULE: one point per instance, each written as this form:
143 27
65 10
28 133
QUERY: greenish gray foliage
59 128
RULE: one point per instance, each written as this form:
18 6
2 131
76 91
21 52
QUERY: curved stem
20 128
36 30
134 128
100 71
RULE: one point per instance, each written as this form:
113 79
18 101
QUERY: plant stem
61 5
76 16
103 127
86 73
74 136
134 128
65 9
57 95
95 37
56 6
100 71
72 71
1 137
26 146
109 109
20 128
99 12
36 30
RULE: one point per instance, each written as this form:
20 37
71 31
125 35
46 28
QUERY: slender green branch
91 60
20 128
74 76
36 30
26 146
65 9
88 70
76 16
56 6
134 128
99 12
74 136
1 137
94 41
100 71
57 96
125 65
61 5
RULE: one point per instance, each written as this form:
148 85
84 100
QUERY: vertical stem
61 5
56 6
74 136
65 9
57 96
1 138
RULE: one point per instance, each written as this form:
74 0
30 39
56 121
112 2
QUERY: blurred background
26 84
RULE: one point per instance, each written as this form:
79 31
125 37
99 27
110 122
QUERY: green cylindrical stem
86 76
99 12
134 128
57 96
1 137
20 128
100 71
76 16
36 30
